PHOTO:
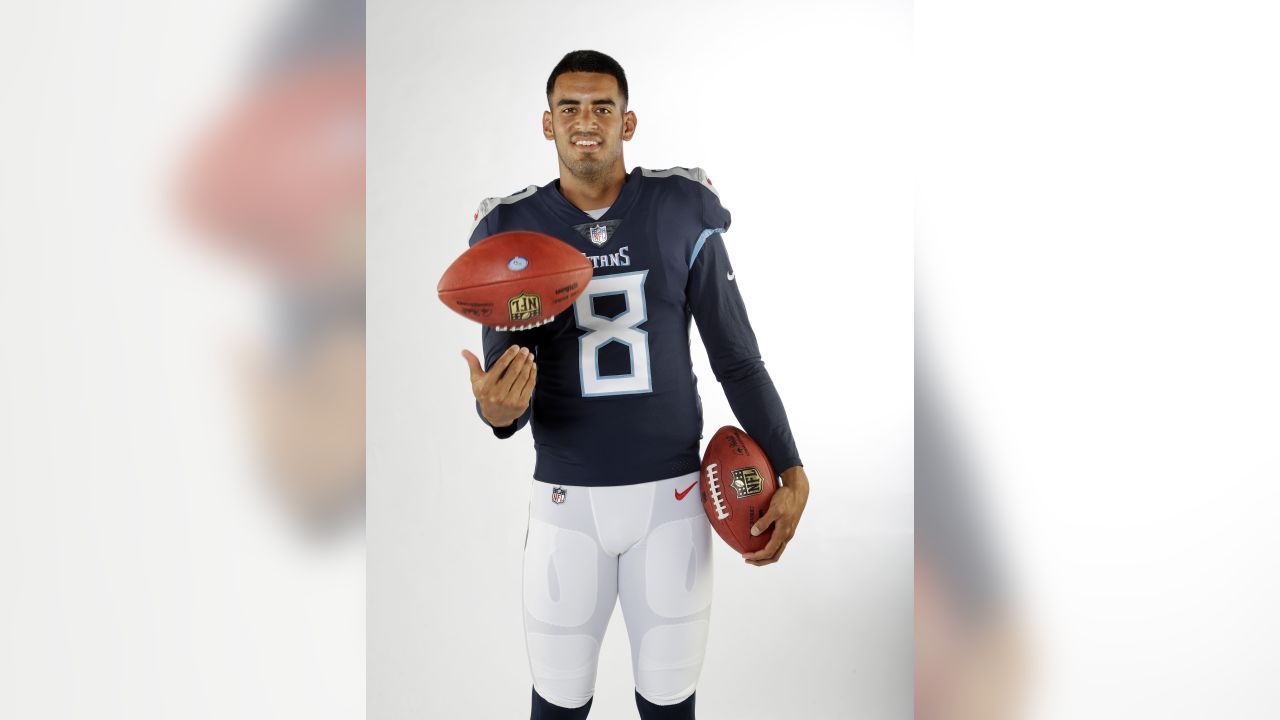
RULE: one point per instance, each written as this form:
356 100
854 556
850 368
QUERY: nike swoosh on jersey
680 495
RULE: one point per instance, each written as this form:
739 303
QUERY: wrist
794 477
501 422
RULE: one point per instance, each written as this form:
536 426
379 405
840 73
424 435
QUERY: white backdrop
147 570
800 115
1097 265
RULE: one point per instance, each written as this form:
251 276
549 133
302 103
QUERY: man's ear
546 126
628 125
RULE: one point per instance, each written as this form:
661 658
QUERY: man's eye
568 110
603 110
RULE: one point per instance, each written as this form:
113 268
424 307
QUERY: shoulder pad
697 175
488 204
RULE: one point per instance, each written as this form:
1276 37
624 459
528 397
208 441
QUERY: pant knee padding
542 709
682 710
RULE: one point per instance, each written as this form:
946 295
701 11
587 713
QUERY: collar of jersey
619 208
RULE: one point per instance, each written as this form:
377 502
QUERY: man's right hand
504 391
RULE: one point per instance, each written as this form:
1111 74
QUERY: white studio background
1097 274
800 115
147 571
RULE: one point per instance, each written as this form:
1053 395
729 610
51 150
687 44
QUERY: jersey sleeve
494 342
726 332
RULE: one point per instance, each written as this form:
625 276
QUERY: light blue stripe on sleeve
702 240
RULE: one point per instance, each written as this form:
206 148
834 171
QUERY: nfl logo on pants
557 496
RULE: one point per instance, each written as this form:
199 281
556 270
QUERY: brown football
737 484
514 280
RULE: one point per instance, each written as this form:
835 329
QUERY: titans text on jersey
617 259
616 401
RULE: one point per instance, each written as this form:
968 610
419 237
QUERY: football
737 484
514 280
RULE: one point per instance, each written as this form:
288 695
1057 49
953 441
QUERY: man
610 393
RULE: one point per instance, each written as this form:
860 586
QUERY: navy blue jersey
616 400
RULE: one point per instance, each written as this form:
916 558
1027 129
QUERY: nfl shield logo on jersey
557 496
599 235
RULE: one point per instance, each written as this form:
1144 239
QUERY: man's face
589 122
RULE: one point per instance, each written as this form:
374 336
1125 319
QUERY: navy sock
680 711
543 710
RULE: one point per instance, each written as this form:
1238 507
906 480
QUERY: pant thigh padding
678 568
670 660
561 577
564 667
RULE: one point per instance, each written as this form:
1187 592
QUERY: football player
609 390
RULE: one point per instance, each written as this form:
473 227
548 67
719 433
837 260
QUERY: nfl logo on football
599 235
557 496
747 482
525 306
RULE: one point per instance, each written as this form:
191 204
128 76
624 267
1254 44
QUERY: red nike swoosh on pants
680 495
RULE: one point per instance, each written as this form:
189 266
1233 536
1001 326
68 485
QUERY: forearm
756 404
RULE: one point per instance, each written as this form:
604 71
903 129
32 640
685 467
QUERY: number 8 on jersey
623 328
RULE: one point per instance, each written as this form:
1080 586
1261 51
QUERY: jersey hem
553 473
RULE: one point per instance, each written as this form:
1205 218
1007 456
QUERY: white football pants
646 545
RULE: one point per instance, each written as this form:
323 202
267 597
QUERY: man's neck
592 194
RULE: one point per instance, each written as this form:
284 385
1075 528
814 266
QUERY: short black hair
590 61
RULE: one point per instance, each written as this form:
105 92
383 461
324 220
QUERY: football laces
717 499
517 328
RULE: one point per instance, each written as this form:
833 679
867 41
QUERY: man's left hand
783 514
